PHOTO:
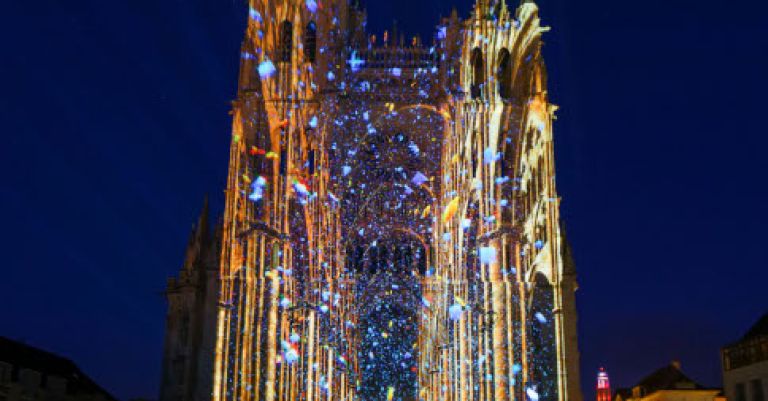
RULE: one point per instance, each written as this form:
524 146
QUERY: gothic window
471 243
283 162
504 77
355 257
543 177
286 42
478 73
373 253
383 258
421 260
474 153
408 257
310 42
311 162
505 160
184 330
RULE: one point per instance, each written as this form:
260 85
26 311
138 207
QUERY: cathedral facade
391 228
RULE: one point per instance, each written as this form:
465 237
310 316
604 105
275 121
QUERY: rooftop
669 377
760 328
21 355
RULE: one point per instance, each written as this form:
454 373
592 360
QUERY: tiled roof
669 377
760 328
21 355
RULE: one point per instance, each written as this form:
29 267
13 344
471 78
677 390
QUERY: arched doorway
387 331
542 347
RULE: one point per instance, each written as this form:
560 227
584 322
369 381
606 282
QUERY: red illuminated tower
603 386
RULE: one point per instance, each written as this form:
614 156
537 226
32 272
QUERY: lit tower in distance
603 386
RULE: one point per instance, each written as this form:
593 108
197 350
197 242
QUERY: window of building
30 378
474 154
5 372
311 162
56 385
478 73
740 392
283 162
286 42
757 390
504 73
310 42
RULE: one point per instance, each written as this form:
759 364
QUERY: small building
745 365
31 374
668 383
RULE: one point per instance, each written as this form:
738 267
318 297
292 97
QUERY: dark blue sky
114 121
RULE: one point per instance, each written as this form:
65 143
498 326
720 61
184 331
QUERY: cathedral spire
500 9
481 9
569 266
198 238
202 220
454 14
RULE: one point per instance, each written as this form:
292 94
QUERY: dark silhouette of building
31 374
190 334
668 383
745 364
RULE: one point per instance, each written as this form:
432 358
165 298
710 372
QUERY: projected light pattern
392 229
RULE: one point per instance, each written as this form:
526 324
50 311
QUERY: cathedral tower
502 266
279 259
191 319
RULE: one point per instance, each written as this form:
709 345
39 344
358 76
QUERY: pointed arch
310 42
478 72
286 42
504 75
384 309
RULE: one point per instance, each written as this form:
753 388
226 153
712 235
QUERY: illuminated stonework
392 227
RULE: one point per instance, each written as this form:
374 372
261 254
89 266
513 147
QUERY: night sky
115 126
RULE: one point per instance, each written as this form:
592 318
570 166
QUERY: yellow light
450 210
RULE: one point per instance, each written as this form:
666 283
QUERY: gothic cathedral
391 229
